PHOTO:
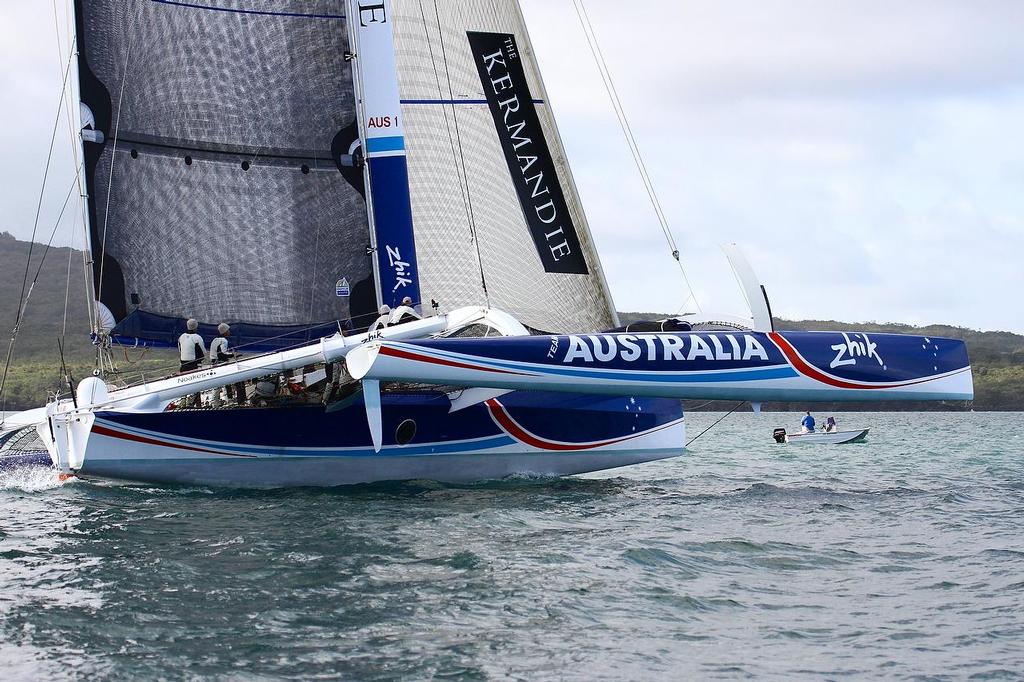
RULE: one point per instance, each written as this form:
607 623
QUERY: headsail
216 166
485 158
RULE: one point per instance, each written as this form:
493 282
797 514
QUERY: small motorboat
822 437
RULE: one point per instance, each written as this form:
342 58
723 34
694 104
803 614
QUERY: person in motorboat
830 425
808 423
191 347
384 320
405 312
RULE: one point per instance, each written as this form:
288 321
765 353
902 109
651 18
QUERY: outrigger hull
755 366
514 434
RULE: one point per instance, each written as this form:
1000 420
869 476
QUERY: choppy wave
898 559
29 479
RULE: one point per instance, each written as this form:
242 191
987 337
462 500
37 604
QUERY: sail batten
236 10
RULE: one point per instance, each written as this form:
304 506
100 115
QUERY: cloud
30 82
862 154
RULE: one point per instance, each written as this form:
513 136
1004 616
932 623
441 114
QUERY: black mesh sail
219 138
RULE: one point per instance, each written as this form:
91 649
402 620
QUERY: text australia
651 347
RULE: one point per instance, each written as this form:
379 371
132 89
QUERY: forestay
485 157
225 195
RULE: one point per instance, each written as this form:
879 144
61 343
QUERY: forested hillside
36 360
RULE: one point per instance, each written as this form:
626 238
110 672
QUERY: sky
868 157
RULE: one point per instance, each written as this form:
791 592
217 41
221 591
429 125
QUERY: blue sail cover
142 329
220 168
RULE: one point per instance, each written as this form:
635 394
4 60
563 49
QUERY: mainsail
219 137
492 195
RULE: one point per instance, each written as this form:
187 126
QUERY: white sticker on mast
376 60
385 152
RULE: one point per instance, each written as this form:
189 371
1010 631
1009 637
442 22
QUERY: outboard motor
779 435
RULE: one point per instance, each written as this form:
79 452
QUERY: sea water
898 558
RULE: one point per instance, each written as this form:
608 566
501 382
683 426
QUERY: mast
357 85
78 150
389 205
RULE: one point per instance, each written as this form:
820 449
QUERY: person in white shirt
384 319
405 312
219 353
191 347
219 346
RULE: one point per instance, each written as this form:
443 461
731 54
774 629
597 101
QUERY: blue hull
516 433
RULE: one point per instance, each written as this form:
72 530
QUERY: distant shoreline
997 357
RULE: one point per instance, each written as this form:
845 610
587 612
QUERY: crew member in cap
191 347
219 346
384 319
219 353
405 312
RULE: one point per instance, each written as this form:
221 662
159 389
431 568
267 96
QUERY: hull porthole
405 432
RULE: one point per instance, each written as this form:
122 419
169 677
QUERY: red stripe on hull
505 421
104 431
808 370
406 355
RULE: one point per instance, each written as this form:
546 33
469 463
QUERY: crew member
808 423
219 346
830 425
219 353
191 348
405 312
384 319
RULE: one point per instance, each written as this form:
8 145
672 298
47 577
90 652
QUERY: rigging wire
42 192
717 422
49 242
627 131
67 286
46 251
28 260
467 196
75 140
74 155
23 302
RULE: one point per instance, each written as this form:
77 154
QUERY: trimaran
290 166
